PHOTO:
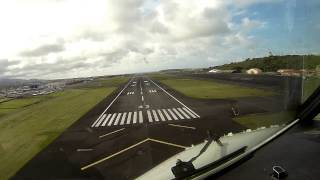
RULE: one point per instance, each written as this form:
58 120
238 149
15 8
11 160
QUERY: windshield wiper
186 169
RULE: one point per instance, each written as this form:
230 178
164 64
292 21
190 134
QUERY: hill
273 63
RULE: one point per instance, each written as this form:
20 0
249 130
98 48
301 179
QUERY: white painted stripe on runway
95 122
161 115
149 116
129 117
155 115
183 113
142 98
101 119
106 120
166 114
135 117
123 118
172 114
180 116
115 98
175 99
190 113
140 117
117 119
111 120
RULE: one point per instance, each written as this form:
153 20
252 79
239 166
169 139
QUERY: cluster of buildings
31 90
281 72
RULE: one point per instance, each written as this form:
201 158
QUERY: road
137 127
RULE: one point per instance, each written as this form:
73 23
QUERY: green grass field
32 126
254 121
205 89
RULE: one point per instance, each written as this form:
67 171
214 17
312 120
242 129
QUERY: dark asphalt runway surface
137 127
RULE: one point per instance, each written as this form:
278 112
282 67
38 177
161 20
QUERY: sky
50 39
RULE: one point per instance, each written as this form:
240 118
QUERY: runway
142 101
140 125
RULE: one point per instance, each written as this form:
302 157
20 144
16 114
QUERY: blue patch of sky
291 26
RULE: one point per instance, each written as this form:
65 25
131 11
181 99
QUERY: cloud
5 64
43 50
73 38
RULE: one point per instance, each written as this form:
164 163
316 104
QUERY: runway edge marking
113 101
174 98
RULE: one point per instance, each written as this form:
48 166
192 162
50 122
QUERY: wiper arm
211 138
184 169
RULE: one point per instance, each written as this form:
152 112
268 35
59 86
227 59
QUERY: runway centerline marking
112 132
174 98
113 101
131 147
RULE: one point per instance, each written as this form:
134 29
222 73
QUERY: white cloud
58 39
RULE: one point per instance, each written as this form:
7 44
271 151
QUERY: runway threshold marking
131 147
180 126
106 120
112 132
166 114
112 102
174 98
149 116
161 115
101 119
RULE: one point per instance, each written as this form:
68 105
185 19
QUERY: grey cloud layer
43 50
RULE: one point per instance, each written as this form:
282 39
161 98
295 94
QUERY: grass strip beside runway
27 130
205 89
254 121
